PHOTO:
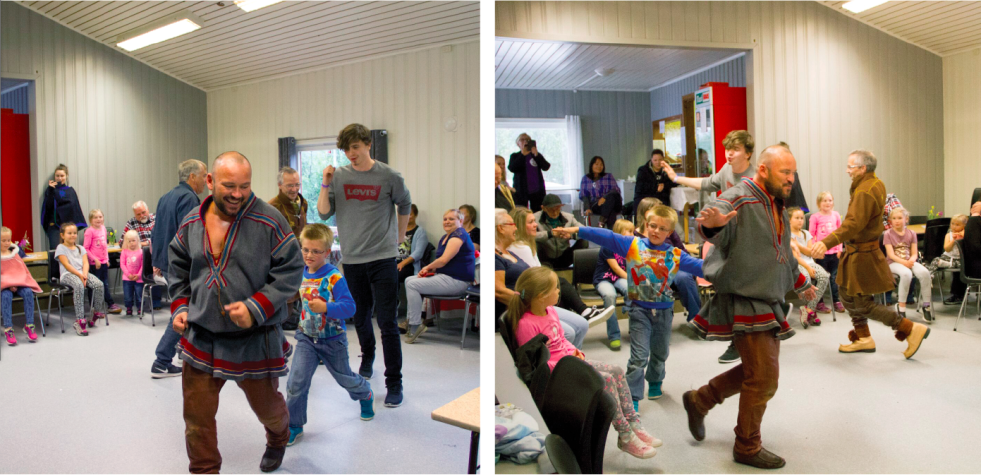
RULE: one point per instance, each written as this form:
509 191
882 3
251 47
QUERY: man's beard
145 220
220 204
776 190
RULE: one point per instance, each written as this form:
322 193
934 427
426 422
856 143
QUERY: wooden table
692 248
917 228
464 412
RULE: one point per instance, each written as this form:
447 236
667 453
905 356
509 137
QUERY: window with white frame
313 156
553 143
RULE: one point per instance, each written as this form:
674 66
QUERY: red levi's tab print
362 192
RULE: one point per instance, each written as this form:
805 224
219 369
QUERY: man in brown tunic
863 271
293 206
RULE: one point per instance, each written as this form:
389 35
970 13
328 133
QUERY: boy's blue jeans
305 358
608 292
132 292
650 333
8 305
688 292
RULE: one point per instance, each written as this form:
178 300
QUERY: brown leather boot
861 341
696 420
763 459
914 334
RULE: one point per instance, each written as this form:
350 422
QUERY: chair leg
963 302
466 321
37 310
153 315
61 313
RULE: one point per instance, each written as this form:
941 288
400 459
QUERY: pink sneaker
11 339
822 308
31 336
839 307
80 327
645 436
636 447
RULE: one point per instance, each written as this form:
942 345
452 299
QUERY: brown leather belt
862 246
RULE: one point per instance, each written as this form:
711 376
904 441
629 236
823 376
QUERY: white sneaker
599 316
645 436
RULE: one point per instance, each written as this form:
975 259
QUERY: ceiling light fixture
599 72
253 5
161 30
859 6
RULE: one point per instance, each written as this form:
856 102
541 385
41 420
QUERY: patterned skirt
724 315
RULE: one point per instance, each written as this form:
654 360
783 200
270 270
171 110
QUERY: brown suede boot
913 333
763 459
861 341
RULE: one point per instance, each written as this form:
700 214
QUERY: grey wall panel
411 95
615 125
120 126
666 100
962 121
823 82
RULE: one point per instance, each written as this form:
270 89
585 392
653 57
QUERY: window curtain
287 153
573 129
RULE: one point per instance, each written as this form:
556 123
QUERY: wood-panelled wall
823 82
411 95
962 124
121 126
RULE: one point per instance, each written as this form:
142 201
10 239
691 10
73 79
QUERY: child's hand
810 271
317 306
98 264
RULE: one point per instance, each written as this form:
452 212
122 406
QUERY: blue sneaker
368 407
654 392
295 433
637 407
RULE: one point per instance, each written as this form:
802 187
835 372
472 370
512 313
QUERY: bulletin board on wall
669 135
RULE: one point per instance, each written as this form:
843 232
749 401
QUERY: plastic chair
148 285
576 408
969 281
58 290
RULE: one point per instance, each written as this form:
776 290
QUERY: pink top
96 245
131 262
902 245
531 325
14 273
821 226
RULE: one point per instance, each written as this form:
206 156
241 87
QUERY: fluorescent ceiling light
162 30
859 6
253 5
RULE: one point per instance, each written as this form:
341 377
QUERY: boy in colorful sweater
652 265
321 334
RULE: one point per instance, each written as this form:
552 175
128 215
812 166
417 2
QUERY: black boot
366 363
272 459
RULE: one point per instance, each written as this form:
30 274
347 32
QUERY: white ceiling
235 47
940 27
522 64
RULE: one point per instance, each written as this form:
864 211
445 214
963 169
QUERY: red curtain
15 181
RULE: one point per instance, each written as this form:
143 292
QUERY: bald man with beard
748 311
232 266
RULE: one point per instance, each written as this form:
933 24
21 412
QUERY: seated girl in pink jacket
15 279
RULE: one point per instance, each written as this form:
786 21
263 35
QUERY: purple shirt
596 189
534 179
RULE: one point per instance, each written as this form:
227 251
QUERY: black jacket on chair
532 362
971 245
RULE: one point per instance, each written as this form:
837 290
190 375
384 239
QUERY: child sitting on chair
610 279
15 279
131 265
321 334
75 274
532 313
801 247
901 254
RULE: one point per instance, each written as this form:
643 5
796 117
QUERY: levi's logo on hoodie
362 192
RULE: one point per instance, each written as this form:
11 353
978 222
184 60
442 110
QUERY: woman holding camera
529 181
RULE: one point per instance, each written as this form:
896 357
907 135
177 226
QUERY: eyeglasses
508 224
854 166
293 187
659 228
316 252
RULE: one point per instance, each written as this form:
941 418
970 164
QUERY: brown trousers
754 379
863 307
201 404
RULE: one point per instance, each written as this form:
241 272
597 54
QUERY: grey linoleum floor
88 405
833 413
